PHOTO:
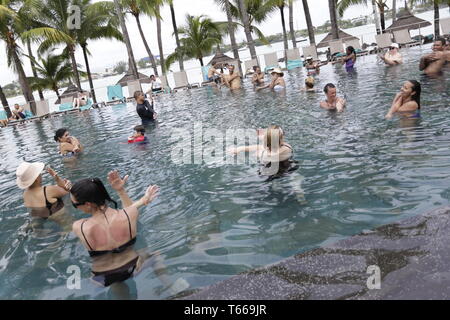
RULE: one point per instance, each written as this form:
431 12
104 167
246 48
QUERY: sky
106 53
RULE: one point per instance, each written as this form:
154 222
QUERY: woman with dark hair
349 59
68 146
333 102
108 230
407 101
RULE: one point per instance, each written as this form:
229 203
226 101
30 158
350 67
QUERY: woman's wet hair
93 191
275 132
59 134
328 86
137 94
417 88
351 49
140 129
255 67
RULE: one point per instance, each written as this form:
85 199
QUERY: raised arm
396 104
148 197
118 184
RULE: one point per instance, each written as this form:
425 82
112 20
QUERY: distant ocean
366 33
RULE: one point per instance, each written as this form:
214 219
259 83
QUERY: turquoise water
212 221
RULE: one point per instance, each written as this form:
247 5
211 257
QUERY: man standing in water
433 63
232 80
144 109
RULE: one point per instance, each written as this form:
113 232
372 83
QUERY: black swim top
283 166
94 253
49 209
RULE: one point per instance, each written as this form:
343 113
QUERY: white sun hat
27 173
277 70
395 45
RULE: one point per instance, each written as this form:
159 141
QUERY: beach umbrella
130 77
344 36
221 59
406 20
71 91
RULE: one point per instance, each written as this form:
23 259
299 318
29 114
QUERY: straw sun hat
27 173
277 70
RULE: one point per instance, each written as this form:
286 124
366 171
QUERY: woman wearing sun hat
277 82
42 201
393 57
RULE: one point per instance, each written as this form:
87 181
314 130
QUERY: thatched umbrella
130 77
406 20
71 91
344 36
221 59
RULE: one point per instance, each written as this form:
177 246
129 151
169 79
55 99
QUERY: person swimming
309 85
108 230
68 146
138 136
407 101
277 82
42 201
332 103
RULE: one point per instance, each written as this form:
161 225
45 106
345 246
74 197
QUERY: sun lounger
403 38
248 65
115 94
445 26
133 86
383 40
271 61
181 80
3 115
87 106
165 84
294 59
336 47
310 51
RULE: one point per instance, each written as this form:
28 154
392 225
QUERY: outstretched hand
51 172
150 194
115 181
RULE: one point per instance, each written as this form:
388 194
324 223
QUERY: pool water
211 221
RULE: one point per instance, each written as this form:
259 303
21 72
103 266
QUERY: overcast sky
106 53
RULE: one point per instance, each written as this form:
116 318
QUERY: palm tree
9 27
158 6
199 37
291 23
247 29
52 70
333 19
312 39
5 103
175 31
394 10
381 4
436 4
135 8
98 22
280 4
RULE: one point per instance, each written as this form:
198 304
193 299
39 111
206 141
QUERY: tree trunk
394 10
5 103
126 38
312 39
375 14
383 23
247 30
33 67
436 19
333 19
201 61
71 49
149 52
177 38
26 90
88 70
232 35
291 23
160 45
283 24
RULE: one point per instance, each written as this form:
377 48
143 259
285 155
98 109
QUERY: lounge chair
383 40
294 59
445 26
337 48
248 65
403 38
87 106
3 118
133 86
181 80
271 61
356 44
165 84
115 94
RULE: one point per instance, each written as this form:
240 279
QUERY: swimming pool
211 221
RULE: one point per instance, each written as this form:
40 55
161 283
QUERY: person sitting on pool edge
332 103
309 85
233 79
277 82
81 99
138 136
258 77
42 201
393 57
407 101
433 63
17 113
68 146
144 109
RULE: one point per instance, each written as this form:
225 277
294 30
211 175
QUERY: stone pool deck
413 256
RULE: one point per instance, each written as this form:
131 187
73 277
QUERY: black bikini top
94 253
50 208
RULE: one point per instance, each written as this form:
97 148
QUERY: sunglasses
76 205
